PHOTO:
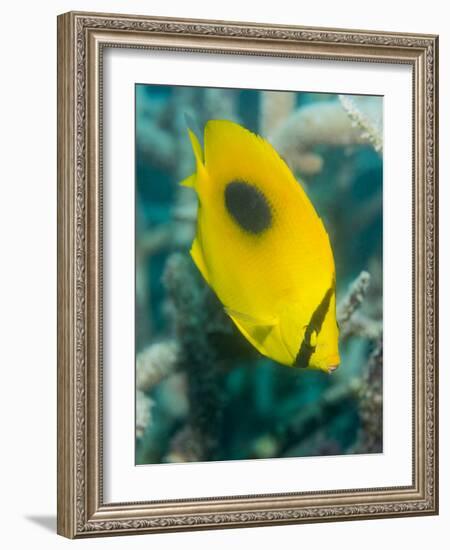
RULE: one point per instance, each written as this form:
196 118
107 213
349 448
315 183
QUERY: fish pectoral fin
255 330
249 320
264 335
190 181
199 260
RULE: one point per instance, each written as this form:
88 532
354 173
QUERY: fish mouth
328 367
332 363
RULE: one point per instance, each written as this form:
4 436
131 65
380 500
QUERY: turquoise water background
257 408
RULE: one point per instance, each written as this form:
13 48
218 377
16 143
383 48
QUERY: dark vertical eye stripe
315 324
248 206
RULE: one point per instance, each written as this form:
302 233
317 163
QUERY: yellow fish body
262 248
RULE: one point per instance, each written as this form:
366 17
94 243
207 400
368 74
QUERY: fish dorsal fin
232 151
193 125
196 147
192 181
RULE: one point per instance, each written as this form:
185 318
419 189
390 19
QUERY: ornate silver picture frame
82 41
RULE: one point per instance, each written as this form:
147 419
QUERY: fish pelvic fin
199 259
189 181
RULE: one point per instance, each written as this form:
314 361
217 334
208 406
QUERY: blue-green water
259 409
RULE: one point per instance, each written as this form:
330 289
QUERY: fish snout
332 368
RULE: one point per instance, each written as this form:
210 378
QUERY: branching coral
218 103
354 298
144 406
276 107
370 398
369 387
309 126
162 142
297 133
315 417
369 130
183 447
197 317
363 389
352 322
153 365
197 357
200 355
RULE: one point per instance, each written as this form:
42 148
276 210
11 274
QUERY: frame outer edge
435 217
65 279
76 204
436 214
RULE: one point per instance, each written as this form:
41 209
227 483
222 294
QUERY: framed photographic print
247 288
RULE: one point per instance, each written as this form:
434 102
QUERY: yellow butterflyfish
262 248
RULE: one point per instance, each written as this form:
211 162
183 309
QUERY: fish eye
313 339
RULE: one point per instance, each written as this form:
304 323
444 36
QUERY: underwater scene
259 261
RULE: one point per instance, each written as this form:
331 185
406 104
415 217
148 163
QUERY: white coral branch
323 123
276 107
144 406
362 326
153 365
354 297
369 131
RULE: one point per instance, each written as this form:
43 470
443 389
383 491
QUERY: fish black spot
314 325
248 206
